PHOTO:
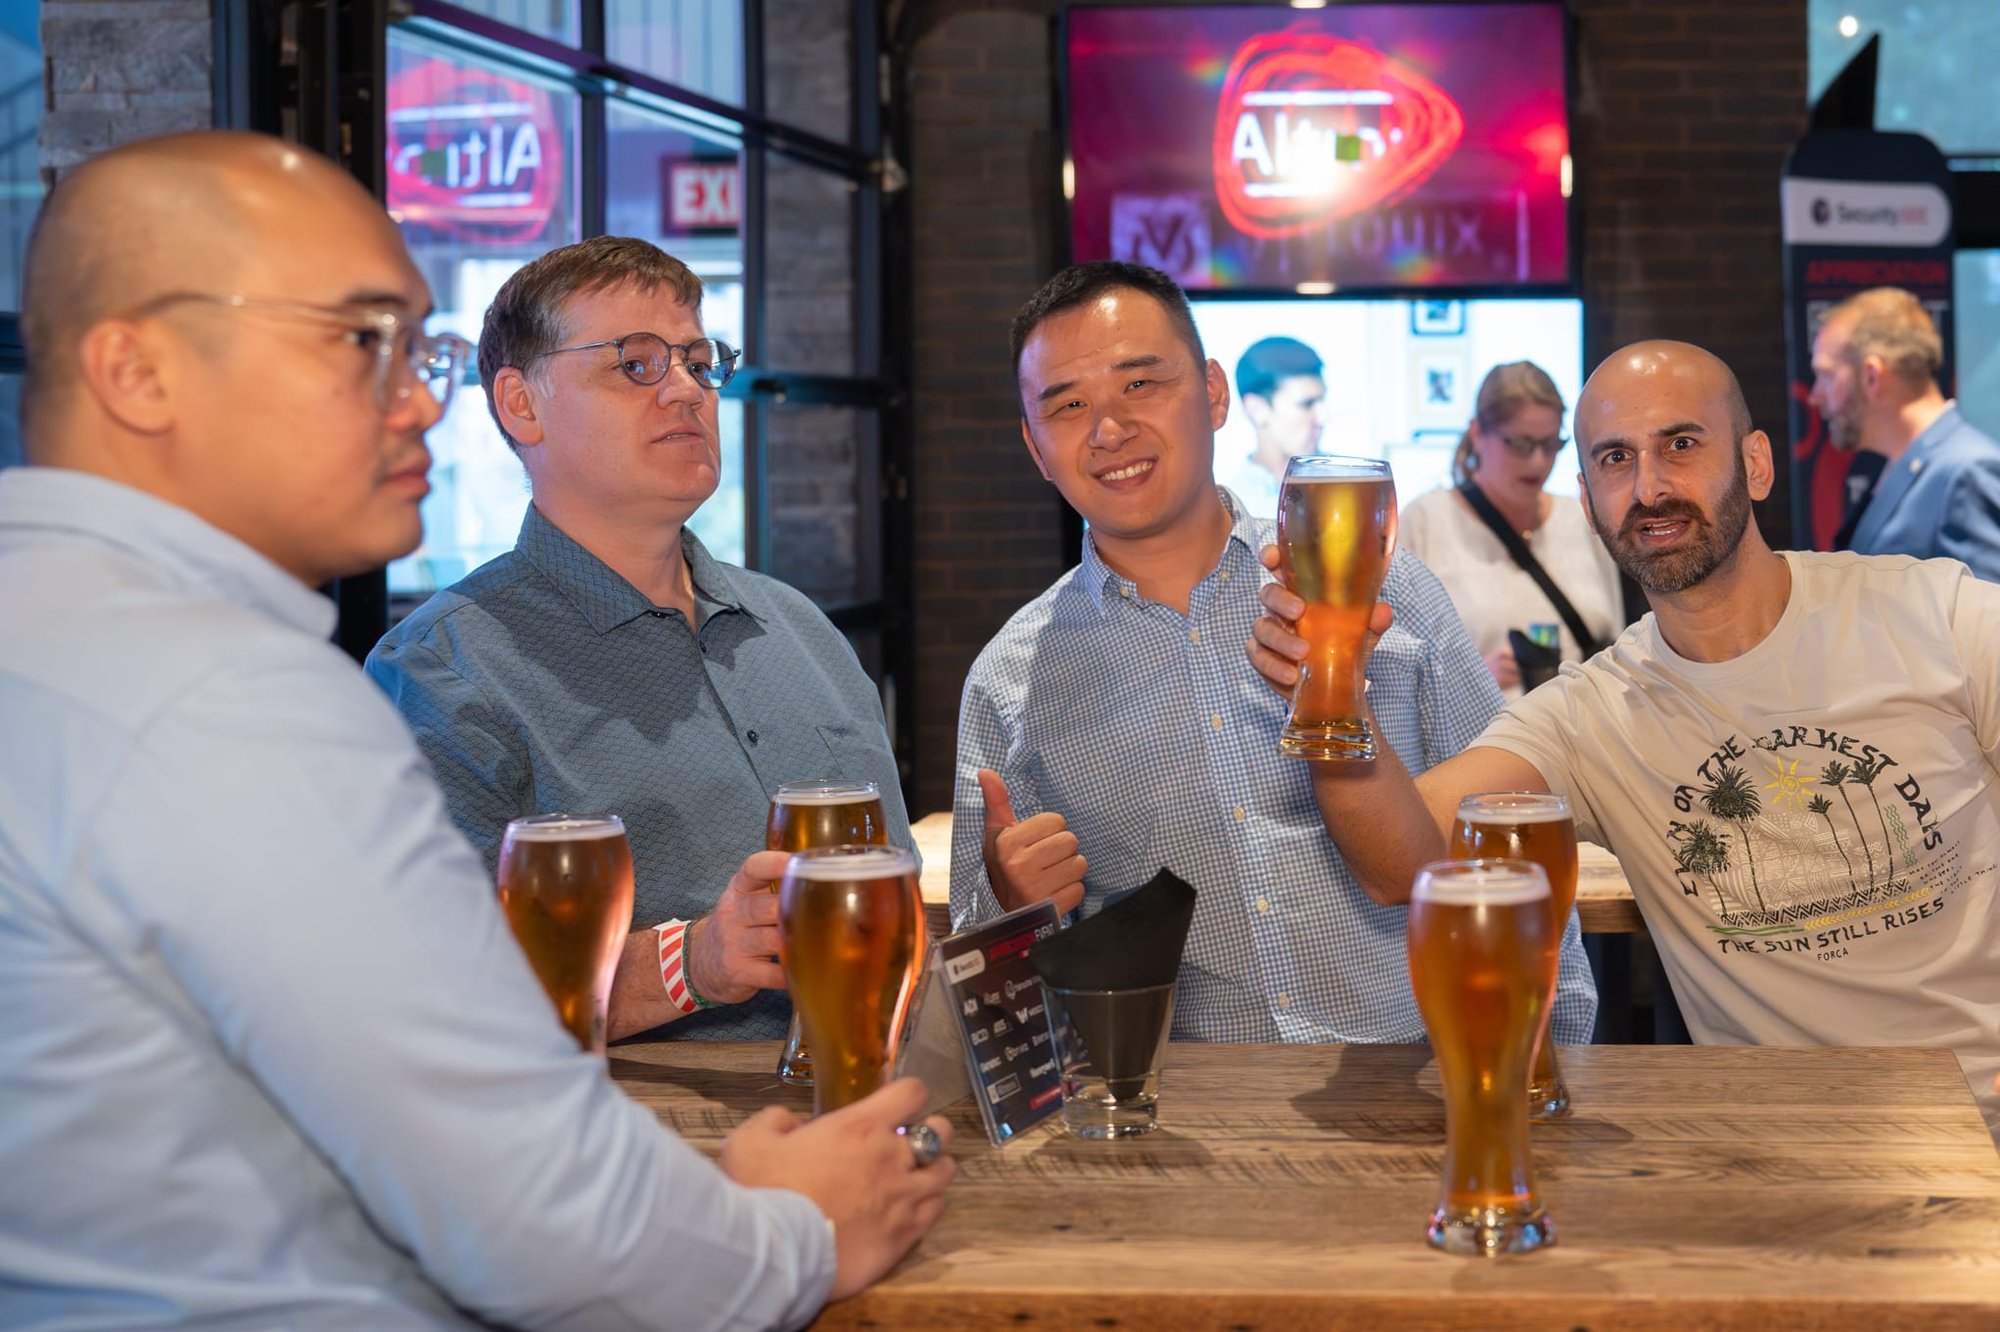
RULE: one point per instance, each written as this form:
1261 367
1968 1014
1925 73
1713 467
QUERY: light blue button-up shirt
269 1055
1152 735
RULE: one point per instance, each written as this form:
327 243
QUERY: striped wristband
673 967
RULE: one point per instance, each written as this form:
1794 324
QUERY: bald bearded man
270 1055
1795 757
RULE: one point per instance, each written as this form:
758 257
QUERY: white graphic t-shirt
1811 829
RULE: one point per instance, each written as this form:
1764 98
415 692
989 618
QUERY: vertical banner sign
1862 209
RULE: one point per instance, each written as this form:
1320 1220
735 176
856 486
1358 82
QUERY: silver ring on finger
925 1144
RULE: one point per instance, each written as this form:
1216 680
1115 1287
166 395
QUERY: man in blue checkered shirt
1115 726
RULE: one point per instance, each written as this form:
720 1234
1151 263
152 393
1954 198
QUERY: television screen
1355 147
1394 379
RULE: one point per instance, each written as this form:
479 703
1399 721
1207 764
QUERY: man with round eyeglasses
271 1056
609 662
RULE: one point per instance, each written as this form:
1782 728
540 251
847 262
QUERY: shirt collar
600 594
1099 579
1943 424
165 535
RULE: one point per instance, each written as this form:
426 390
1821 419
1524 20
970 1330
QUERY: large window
20 195
1935 78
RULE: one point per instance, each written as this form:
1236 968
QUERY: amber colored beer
809 814
1528 825
851 936
566 889
1482 950
1336 532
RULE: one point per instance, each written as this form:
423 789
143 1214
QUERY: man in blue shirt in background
271 1057
1115 726
608 662
1875 364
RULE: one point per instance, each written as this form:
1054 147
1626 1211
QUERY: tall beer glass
1336 531
566 888
809 814
1528 826
1482 960
851 936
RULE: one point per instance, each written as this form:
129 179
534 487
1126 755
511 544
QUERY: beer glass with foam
809 814
851 936
1530 826
1482 948
1336 532
566 889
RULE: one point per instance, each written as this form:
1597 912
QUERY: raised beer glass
851 936
809 814
1482 960
566 889
1336 531
1530 826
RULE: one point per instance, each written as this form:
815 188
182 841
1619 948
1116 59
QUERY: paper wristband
673 965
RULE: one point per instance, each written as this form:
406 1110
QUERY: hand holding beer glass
1336 532
851 936
1482 948
566 888
812 814
1529 826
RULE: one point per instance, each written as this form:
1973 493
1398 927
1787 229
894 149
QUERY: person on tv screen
1284 398
1482 537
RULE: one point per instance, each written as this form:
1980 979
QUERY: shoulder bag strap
1587 642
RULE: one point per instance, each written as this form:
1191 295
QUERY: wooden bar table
1288 1186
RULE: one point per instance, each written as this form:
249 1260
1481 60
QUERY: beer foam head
1513 807
1329 467
826 793
1480 883
846 863
565 827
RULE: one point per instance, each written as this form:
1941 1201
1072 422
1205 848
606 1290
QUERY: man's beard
1707 547
1843 429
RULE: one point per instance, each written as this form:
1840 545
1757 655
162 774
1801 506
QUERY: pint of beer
809 814
566 888
851 936
1482 961
1534 827
1336 531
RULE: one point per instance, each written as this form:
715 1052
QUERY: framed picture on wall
1437 319
1440 388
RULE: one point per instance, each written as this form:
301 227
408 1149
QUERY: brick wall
121 70
1686 109
988 527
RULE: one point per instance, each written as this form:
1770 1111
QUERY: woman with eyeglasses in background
1481 538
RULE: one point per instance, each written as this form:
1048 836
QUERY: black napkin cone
1134 944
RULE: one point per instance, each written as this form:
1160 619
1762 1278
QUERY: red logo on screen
1312 128
472 152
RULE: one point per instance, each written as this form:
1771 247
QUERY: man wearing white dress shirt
271 1057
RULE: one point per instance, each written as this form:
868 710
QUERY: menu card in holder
980 1026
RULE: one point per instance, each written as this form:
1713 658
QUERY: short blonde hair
1892 323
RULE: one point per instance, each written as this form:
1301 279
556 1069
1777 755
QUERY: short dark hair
1080 284
1271 361
526 320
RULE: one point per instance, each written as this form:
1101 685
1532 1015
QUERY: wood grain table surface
1603 899
1287 1188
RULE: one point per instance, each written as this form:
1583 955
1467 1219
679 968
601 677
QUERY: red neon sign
470 151
1311 129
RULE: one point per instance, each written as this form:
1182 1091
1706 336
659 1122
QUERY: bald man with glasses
271 1057
609 662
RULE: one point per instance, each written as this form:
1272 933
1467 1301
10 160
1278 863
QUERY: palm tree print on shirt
1864 774
1835 775
1821 806
1733 796
1702 850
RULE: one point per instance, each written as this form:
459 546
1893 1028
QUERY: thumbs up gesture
1027 862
